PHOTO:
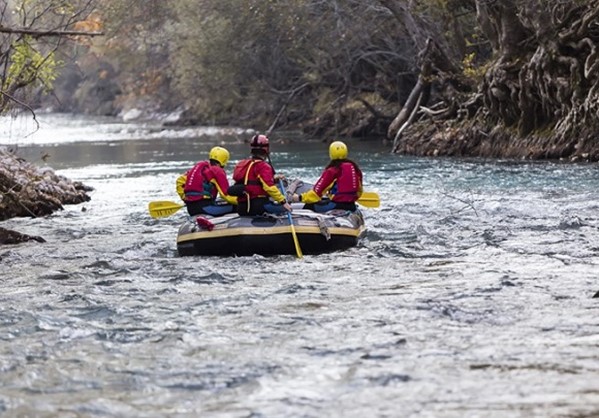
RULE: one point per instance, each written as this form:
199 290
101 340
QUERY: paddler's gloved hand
287 207
296 198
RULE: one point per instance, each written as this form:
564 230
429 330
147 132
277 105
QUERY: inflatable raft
271 235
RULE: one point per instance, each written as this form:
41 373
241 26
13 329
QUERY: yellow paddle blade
163 208
370 200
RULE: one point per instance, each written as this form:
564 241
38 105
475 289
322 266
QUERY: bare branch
25 105
40 33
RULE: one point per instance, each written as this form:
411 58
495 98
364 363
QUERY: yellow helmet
338 151
219 154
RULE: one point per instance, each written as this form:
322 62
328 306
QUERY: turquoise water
472 294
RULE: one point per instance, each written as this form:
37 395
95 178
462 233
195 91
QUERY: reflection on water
470 296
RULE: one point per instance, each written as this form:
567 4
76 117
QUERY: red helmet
260 144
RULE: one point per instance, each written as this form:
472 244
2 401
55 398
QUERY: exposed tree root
539 99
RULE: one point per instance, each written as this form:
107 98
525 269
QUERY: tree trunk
408 111
435 60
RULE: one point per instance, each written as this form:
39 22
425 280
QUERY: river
471 295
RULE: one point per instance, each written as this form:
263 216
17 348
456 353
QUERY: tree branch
25 105
40 33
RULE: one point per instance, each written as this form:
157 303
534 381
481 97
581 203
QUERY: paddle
298 250
163 208
369 200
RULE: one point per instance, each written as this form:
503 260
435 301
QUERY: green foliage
471 70
28 50
28 65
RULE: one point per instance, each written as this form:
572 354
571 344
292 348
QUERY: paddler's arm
265 176
321 187
180 185
310 196
229 199
219 180
273 191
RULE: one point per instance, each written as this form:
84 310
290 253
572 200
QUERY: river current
471 295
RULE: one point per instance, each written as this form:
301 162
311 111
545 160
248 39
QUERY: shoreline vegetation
510 79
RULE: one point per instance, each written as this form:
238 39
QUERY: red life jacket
244 173
348 183
197 187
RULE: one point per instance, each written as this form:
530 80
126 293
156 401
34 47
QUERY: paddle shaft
298 250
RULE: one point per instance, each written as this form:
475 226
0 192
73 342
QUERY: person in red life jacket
255 182
201 185
341 180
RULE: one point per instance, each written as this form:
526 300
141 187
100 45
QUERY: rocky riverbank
455 139
27 190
